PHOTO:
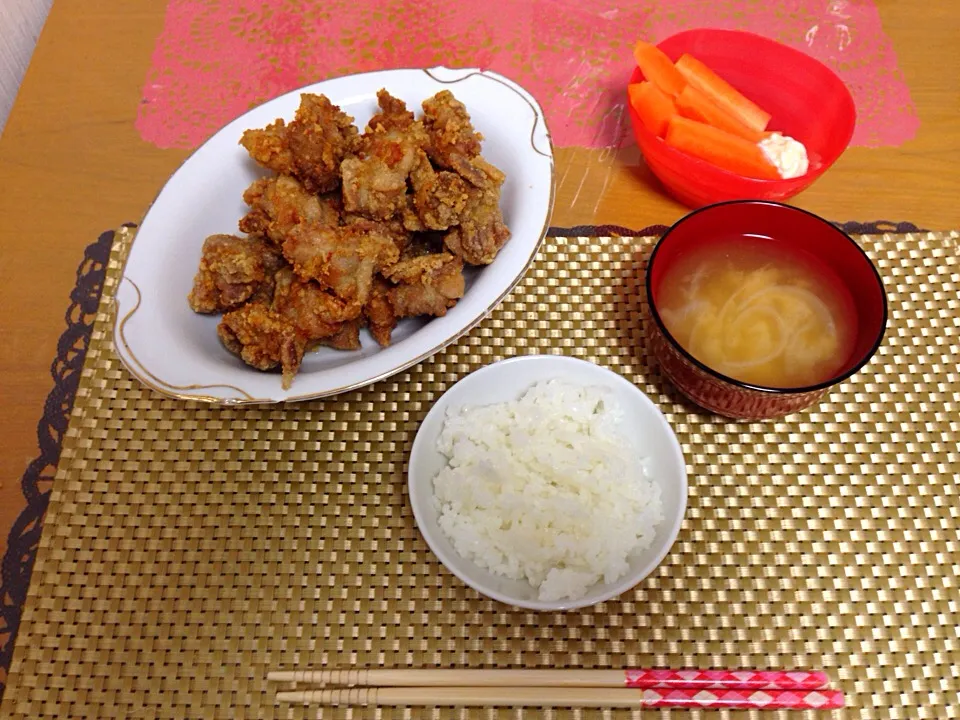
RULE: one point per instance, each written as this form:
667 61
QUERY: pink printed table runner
216 58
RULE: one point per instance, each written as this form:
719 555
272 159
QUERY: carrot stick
657 68
695 104
722 93
654 107
720 148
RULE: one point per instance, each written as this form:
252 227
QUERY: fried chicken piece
273 262
346 338
310 148
482 174
342 259
451 133
375 179
371 187
393 113
481 232
232 270
438 197
408 216
268 146
392 228
454 144
414 270
425 285
263 339
378 312
278 204
312 311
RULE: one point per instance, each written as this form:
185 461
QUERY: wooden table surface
72 165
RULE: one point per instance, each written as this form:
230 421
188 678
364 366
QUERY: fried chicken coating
481 232
409 218
312 311
438 197
354 230
392 228
263 339
375 179
278 204
273 262
483 174
346 338
232 270
378 312
393 113
268 146
342 259
451 133
425 285
454 144
310 148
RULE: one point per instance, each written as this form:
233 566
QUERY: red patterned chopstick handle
745 699
744 679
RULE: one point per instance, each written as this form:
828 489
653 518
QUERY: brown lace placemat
189 549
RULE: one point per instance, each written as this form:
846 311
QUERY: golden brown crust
451 133
354 230
263 339
393 113
310 148
313 312
231 270
273 263
481 232
268 146
439 198
392 228
378 312
426 285
342 259
278 204
375 178
347 336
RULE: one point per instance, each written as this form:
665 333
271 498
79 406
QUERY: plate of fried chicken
336 235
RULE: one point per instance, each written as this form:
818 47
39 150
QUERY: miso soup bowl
803 231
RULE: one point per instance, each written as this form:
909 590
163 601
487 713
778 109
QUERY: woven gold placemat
189 549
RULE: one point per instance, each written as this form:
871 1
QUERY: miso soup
759 311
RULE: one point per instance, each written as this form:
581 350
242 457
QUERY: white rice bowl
470 547
547 488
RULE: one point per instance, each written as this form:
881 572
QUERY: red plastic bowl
806 99
780 223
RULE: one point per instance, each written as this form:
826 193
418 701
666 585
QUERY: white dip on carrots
548 488
789 156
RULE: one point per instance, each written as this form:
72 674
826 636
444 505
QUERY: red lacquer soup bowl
801 231
805 98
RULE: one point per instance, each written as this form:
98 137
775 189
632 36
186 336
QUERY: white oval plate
176 351
507 380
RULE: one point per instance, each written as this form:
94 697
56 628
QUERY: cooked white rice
548 488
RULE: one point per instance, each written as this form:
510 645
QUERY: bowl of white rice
547 482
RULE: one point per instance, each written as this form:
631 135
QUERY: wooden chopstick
632 678
821 699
